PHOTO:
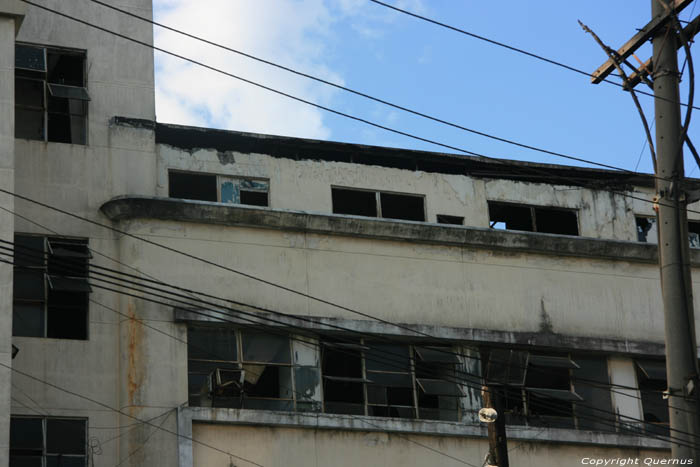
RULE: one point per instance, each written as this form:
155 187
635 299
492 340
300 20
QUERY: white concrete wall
79 179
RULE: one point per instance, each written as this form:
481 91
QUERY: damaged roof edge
191 138
170 209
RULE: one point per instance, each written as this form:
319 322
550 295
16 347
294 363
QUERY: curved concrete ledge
144 207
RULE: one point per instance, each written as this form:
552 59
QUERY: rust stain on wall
135 358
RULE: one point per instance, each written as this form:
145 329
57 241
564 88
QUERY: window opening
507 216
354 202
651 380
51 287
647 231
50 94
218 188
343 378
454 220
48 441
370 203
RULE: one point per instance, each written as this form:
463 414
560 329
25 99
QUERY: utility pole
493 415
672 220
674 255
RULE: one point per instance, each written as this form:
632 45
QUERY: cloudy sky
378 51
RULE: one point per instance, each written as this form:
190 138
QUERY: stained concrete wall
10 18
108 367
292 447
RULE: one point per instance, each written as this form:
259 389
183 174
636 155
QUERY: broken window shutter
439 387
436 355
68 249
652 370
68 92
395 380
68 284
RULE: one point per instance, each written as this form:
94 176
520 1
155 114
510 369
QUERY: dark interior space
405 207
510 216
556 221
454 220
254 198
192 186
354 202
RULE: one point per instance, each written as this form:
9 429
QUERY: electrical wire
512 48
358 93
126 414
143 443
582 405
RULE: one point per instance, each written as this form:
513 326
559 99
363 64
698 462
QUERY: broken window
507 216
437 388
647 231
542 390
651 380
50 287
244 369
378 204
390 380
48 441
454 220
218 188
50 94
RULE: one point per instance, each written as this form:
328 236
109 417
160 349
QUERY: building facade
209 297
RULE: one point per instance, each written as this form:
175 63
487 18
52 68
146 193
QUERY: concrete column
10 19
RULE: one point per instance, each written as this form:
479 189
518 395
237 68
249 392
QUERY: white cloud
294 33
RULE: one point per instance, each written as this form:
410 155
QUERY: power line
512 48
126 414
358 93
467 384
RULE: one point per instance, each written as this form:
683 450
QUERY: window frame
219 177
46 278
44 428
378 202
364 346
533 215
28 74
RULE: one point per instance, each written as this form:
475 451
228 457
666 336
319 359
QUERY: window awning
436 355
551 362
439 387
652 370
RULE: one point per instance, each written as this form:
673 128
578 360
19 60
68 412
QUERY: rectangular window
388 380
48 441
218 188
378 204
50 94
240 369
545 219
557 390
50 287
651 380
647 231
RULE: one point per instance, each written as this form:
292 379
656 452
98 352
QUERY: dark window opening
537 390
405 207
646 226
694 234
50 95
354 202
532 218
390 392
51 287
48 441
254 198
438 391
343 387
192 186
454 220
510 217
651 379
556 221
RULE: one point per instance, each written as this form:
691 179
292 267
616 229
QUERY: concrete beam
14 9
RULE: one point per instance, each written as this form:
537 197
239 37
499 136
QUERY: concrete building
227 298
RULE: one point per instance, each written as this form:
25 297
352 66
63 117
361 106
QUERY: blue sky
415 64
